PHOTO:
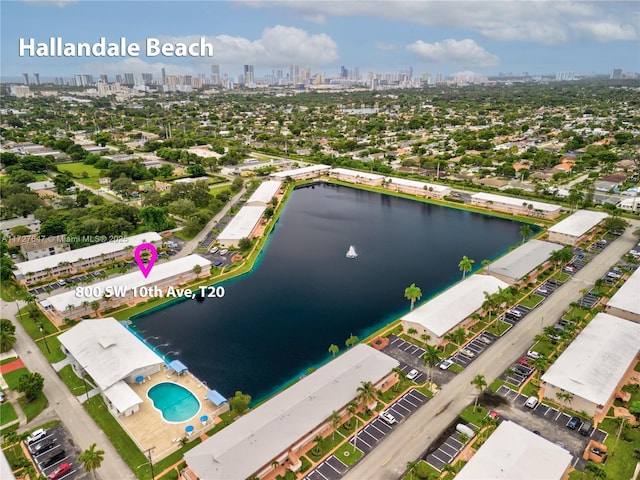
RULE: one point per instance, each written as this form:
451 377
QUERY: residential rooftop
519 262
627 297
579 223
243 223
515 202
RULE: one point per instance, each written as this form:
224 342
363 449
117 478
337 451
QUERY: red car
60 472
493 414
524 361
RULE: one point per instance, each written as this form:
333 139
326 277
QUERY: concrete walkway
409 441
64 405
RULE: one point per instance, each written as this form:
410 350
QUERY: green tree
123 186
351 341
244 244
540 364
7 335
635 408
63 183
565 398
352 408
465 265
366 395
240 402
197 269
31 385
525 232
595 471
317 450
401 374
431 357
91 459
95 306
412 293
411 468
457 336
480 383
333 350
334 419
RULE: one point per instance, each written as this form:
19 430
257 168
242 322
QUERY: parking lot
475 347
370 435
55 449
409 356
61 284
547 421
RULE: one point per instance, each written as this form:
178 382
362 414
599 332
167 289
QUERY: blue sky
484 37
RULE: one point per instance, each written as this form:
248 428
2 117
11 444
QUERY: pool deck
149 429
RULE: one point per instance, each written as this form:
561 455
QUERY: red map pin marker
145 269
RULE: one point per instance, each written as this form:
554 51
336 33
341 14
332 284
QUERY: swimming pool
176 403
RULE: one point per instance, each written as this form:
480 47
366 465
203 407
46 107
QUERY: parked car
413 374
531 402
521 370
467 352
55 458
514 313
524 361
574 423
485 340
388 417
60 471
553 337
533 354
445 364
598 451
494 414
586 428
43 447
36 435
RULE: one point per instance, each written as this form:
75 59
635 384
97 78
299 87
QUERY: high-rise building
249 79
147 78
36 77
616 74
129 79
344 73
25 76
119 79
215 74
164 76
104 78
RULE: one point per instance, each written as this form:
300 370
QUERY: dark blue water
279 320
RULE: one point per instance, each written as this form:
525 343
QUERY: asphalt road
410 439
63 404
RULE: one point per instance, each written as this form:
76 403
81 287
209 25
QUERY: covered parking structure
452 308
518 263
595 365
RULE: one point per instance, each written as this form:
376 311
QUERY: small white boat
352 252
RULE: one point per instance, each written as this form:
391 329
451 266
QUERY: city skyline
386 36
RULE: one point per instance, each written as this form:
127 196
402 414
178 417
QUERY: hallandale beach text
152 47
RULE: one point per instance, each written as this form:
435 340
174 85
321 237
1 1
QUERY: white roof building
128 282
254 440
578 224
594 364
356 173
625 303
515 202
264 193
445 312
86 253
524 259
515 453
303 172
241 225
414 184
108 352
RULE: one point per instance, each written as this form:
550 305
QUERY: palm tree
540 364
352 340
489 303
7 335
333 350
317 450
367 395
91 459
425 337
480 384
465 265
485 264
412 293
457 336
411 468
412 331
352 408
565 398
334 418
525 232
431 357
401 374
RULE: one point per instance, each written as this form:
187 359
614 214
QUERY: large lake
304 294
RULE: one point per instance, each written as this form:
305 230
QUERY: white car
533 354
467 352
445 364
413 374
387 417
36 435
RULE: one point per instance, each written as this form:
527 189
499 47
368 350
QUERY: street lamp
44 338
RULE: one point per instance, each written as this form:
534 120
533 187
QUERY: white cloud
546 22
279 45
465 53
385 47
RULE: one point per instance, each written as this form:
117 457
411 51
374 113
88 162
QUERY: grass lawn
455 368
499 328
77 170
391 394
7 360
54 353
496 384
7 413
422 470
530 389
175 456
227 418
532 300
32 409
125 446
12 377
348 454
32 324
472 416
15 456
326 445
11 291
181 234
545 348
71 380
448 350
216 190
